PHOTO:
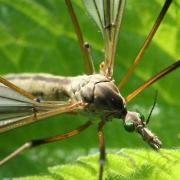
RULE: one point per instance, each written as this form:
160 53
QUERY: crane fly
96 93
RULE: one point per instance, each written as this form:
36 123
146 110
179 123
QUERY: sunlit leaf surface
124 164
37 36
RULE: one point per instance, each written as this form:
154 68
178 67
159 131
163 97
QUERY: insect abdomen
44 86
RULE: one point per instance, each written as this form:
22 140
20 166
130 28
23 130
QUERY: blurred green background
37 36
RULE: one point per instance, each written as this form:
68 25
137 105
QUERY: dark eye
141 116
129 126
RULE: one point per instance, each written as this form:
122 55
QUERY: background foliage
37 36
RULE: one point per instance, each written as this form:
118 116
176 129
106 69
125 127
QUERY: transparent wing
107 14
18 107
13 104
17 110
11 123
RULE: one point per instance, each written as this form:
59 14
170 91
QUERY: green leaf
38 36
125 164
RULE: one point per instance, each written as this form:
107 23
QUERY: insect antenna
153 106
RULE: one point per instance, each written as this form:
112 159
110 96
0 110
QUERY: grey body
99 93
96 90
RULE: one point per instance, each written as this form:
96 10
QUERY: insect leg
38 142
101 149
146 43
152 80
89 66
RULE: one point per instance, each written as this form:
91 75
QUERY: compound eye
141 116
129 126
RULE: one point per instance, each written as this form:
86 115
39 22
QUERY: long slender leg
146 43
153 80
38 142
89 67
101 149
